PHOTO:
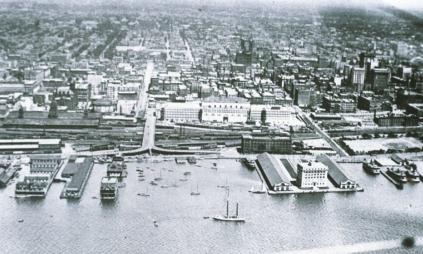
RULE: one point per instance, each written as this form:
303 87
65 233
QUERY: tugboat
192 160
250 164
109 188
398 173
412 173
371 168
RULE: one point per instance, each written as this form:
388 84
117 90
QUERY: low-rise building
181 112
270 144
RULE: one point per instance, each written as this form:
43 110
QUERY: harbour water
273 223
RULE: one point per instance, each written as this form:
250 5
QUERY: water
274 223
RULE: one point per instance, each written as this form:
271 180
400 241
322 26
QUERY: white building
115 87
223 109
181 112
275 115
312 174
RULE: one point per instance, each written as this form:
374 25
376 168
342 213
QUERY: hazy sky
406 4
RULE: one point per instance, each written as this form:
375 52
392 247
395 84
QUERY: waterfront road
341 152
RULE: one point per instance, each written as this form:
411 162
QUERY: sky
403 4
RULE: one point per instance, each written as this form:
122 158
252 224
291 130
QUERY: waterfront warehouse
336 174
271 171
81 167
44 164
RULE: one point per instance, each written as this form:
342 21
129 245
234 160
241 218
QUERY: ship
398 173
371 168
226 217
109 188
412 173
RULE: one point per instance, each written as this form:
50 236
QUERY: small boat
155 224
153 183
195 193
180 161
262 191
21 220
226 186
206 217
186 173
145 194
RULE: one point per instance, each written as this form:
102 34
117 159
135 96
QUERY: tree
263 116
392 135
21 112
53 110
366 136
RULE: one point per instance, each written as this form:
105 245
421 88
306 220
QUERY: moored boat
371 168
109 188
398 173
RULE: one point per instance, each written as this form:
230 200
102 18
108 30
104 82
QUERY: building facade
279 145
311 174
222 109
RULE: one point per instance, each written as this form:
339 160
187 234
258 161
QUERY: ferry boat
117 167
226 217
371 168
109 188
398 173
250 164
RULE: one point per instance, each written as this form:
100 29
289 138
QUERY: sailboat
226 217
145 194
262 191
226 186
160 177
195 193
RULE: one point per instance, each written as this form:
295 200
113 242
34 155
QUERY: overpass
148 145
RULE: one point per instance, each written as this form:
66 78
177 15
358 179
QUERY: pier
392 180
